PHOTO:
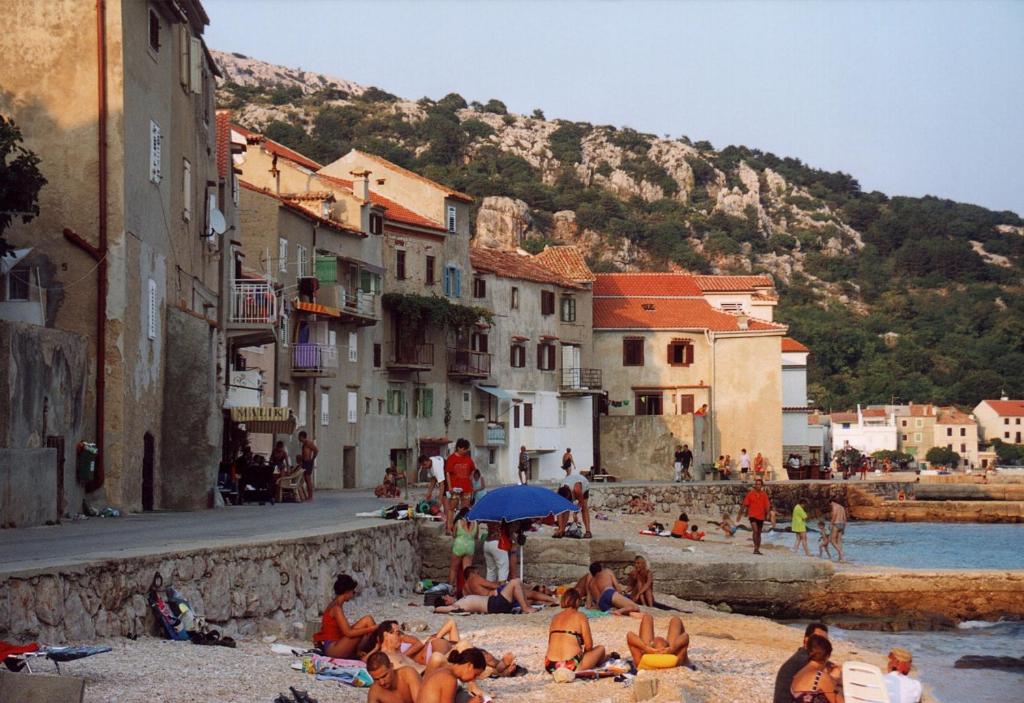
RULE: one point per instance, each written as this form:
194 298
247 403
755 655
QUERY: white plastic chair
863 683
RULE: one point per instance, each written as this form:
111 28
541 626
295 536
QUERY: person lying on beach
728 528
570 643
391 684
406 650
676 642
604 589
500 603
337 638
641 582
442 679
695 533
477 585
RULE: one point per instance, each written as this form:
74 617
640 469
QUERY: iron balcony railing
357 302
496 435
410 354
581 379
253 303
466 362
314 359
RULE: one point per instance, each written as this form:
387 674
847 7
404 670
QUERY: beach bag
169 623
574 530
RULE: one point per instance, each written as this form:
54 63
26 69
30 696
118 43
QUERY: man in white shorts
436 466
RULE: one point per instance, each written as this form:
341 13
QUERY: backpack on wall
171 624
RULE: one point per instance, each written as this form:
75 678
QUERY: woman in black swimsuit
570 644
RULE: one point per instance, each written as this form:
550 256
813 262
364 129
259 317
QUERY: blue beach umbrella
512 503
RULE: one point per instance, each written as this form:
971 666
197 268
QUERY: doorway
147 472
57 442
348 467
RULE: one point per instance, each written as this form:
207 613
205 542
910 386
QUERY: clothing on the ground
902 688
496 559
784 678
799 523
757 505
459 470
570 664
605 601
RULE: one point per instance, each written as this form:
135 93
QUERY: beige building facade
1001 419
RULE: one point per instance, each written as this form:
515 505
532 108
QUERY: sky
911 98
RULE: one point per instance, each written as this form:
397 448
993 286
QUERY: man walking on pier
757 506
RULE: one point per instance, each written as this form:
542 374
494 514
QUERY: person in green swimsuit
799 528
463 545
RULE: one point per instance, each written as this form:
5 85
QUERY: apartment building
116 99
867 430
1001 419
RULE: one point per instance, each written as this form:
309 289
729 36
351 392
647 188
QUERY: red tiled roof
450 192
671 313
305 212
566 260
509 264
395 211
921 411
844 417
1013 408
725 284
873 412
276 148
791 345
223 142
650 285
953 416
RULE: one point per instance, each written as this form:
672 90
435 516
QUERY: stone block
645 687
40 688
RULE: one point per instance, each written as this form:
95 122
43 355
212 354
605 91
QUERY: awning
316 308
12 259
264 420
499 393
519 338
364 265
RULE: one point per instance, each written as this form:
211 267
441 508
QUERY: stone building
666 351
1001 419
116 99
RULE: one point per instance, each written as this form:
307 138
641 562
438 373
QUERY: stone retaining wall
275 586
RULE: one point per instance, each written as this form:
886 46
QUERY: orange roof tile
844 417
873 412
566 260
1012 408
277 148
296 207
450 192
953 416
509 264
670 313
650 285
395 211
725 284
921 411
791 345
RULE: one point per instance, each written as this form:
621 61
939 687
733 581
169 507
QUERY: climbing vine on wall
417 311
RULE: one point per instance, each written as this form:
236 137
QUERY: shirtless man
307 458
391 685
501 603
477 585
676 643
441 681
838 520
603 588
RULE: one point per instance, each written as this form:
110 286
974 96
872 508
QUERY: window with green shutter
425 402
396 401
326 268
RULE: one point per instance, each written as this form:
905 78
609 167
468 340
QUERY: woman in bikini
337 638
570 644
812 684
641 583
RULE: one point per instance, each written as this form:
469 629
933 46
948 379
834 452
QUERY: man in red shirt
458 475
757 506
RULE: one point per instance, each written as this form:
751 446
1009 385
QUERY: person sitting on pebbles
641 582
337 638
391 684
570 644
675 643
477 585
442 679
603 588
501 603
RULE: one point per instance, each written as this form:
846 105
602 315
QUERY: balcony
495 435
252 313
314 359
357 306
465 363
410 356
581 381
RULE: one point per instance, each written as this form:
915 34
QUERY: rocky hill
915 297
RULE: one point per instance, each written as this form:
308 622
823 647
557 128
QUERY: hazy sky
911 98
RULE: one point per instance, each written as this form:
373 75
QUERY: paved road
75 542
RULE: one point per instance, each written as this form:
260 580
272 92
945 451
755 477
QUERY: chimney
361 184
742 321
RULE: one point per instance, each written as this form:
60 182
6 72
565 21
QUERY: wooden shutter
528 414
688 354
540 356
685 404
515 416
196 65
353 407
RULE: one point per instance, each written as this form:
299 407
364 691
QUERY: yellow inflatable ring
657 661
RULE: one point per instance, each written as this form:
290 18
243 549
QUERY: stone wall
28 480
275 586
640 447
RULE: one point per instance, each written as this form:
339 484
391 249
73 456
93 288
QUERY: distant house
798 435
869 430
915 425
958 431
1001 419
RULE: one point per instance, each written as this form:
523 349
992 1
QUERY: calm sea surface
943 546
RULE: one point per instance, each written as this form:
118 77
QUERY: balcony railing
581 379
253 303
496 435
465 362
410 355
357 302
314 359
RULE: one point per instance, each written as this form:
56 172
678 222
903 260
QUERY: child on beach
680 526
696 534
823 539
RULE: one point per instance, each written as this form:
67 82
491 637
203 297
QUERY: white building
798 435
868 431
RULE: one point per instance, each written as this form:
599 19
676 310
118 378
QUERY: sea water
941 546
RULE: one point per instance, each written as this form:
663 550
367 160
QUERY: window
904 423
963 431
467 405
949 431
353 346
429 277
568 308
731 307
546 357
515 298
396 401
452 282
195 56
904 438
284 398
918 422
352 407
18 282
917 437
369 282
527 414
1006 421
547 302
302 408
380 406
154 31
423 400
479 288
282 255
325 409
1006 435
492 456
186 190
563 412
400 265
478 342
648 404
451 219
151 328
515 416
376 355
156 141
376 223
517 356
632 351
300 261
284 331
963 448
680 352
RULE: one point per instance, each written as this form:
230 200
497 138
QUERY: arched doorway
147 472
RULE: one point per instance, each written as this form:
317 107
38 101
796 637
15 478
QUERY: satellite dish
218 225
